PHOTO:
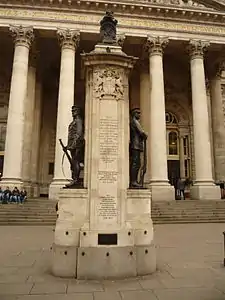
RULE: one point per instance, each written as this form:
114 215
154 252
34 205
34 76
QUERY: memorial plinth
105 230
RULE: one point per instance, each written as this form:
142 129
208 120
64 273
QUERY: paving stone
138 295
189 293
2 297
76 296
122 285
107 296
49 288
15 289
149 284
84 286
13 278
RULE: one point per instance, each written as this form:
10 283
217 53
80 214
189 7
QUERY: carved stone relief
108 82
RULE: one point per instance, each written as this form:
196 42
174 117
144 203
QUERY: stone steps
42 212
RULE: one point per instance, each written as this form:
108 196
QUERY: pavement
190 267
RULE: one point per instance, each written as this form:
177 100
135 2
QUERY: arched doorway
178 149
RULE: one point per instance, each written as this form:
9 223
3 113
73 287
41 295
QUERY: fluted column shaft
204 188
158 151
69 40
200 113
218 123
28 123
144 107
12 173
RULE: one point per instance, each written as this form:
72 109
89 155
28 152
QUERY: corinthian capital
22 35
156 45
68 38
197 48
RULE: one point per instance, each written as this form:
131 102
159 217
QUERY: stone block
146 259
106 262
139 202
143 236
162 192
67 236
64 261
205 192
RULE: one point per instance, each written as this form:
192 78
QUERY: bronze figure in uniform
76 146
137 146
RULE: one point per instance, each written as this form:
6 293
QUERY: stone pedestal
106 232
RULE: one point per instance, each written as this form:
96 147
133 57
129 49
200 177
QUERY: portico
173 83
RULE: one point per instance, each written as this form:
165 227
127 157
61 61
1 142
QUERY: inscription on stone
107 207
108 140
108 181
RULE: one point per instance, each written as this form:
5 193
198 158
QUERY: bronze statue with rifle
137 146
75 146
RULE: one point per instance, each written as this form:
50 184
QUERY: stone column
36 129
145 111
12 173
161 189
204 187
69 40
218 123
28 123
182 166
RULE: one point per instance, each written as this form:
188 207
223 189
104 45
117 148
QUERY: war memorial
105 230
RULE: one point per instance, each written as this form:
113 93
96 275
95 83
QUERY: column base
205 192
28 187
35 190
11 183
55 188
163 192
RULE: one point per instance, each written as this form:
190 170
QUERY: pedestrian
181 188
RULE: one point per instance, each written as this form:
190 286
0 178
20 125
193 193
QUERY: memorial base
162 192
81 252
55 187
205 192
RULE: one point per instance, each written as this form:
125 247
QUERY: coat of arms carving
108 82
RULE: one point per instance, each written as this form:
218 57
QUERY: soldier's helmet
76 109
135 110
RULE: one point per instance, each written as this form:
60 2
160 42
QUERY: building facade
178 83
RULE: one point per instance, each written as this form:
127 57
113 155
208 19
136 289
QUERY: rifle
144 167
66 152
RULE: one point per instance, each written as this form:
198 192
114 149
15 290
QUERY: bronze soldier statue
137 146
76 146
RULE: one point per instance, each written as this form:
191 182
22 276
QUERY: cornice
132 8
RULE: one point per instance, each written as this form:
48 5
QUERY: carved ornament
22 36
120 38
197 48
108 82
68 38
156 45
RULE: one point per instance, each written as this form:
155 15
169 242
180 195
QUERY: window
2 136
185 145
186 166
51 168
173 143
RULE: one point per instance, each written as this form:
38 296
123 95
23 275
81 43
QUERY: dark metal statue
75 146
137 146
108 28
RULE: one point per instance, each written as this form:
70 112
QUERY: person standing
181 188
